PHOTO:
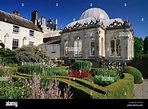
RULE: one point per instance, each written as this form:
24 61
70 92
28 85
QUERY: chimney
15 12
56 23
43 21
34 17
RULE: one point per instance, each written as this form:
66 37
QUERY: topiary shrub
138 78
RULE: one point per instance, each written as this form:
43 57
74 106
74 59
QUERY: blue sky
66 10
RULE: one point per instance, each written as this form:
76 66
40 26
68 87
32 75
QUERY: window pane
15 29
31 33
118 47
75 47
66 47
80 47
112 46
15 43
31 43
92 48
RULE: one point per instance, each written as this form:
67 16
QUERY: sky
136 11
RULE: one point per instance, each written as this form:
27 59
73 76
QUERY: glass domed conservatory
95 36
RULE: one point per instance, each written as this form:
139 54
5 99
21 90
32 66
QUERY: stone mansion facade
93 36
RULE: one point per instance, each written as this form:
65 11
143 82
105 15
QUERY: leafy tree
145 45
33 54
138 46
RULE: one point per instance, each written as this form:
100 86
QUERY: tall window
31 43
15 43
115 47
53 48
16 29
66 48
92 47
31 33
102 47
78 47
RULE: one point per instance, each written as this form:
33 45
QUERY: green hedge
86 83
79 91
138 78
83 89
122 89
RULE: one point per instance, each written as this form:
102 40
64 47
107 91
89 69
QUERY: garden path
141 90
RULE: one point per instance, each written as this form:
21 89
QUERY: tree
145 50
138 46
32 54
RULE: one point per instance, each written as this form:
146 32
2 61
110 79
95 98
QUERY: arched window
92 47
102 47
66 48
115 47
78 47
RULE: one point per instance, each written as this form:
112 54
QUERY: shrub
5 71
141 63
7 56
114 65
30 68
60 71
135 72
32 54
122 89
104 77
11 90
82 65
79 74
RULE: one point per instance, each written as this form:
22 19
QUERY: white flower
91 93
73 78
142 78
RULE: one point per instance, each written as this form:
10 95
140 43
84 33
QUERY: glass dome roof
98 13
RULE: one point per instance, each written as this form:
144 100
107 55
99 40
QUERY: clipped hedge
122 89
17 77
86 83
79 91
83 89
138 78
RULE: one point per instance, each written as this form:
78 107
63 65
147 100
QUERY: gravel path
141 90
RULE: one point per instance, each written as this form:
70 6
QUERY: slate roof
17 20
52 40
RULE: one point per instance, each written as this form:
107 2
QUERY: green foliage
7 56
82 65
104 77
2 44
42 69
145 50
7 71
81 92
30 68
32 54
11 90
122 89
138 46
138 79
60 71
114 65
141 63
